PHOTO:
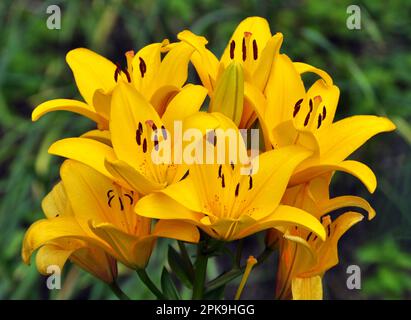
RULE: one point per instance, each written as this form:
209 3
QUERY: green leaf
168 287
215 294
179 267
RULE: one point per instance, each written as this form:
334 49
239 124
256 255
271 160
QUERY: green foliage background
372 67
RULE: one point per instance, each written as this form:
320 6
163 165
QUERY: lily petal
187 102
268 56
287 215
310 170
204 61
284 88
123 245
160 206
45 230
347 201
343 137
256 26
128 176
177 230
304 67
91 72
87 151
270 181
68 105
102 136
52 255
55 203
307 288
129 109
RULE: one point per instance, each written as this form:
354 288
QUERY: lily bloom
57 251
134 123
253 48
304 258
89 209
158 80
228 204
294 116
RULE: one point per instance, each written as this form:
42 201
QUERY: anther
138 137
156 143
220 168
127 75
164 132
255 50
145 145
324 113
309 236
121 204
237 188
130 197
250 183
297 107
232 48
140 127
142 66
116 73
307 118
319 121
311 105
222 181
244 50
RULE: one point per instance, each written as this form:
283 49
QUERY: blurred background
372 67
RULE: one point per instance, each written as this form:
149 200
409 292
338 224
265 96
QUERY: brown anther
255 50
319 121
324 113
244 48
237 189
232 48
307 118
138 137
297 107
164 132
145 145
142 66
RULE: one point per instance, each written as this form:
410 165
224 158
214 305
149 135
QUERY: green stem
150 284
237 271
185 256
224 278
118 292
200 274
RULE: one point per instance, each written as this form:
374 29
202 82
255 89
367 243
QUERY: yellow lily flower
253 48
304 258
92 210
158 80
133 124
293 116
56 252
228 205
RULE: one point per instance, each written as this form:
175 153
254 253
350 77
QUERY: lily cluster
114 201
